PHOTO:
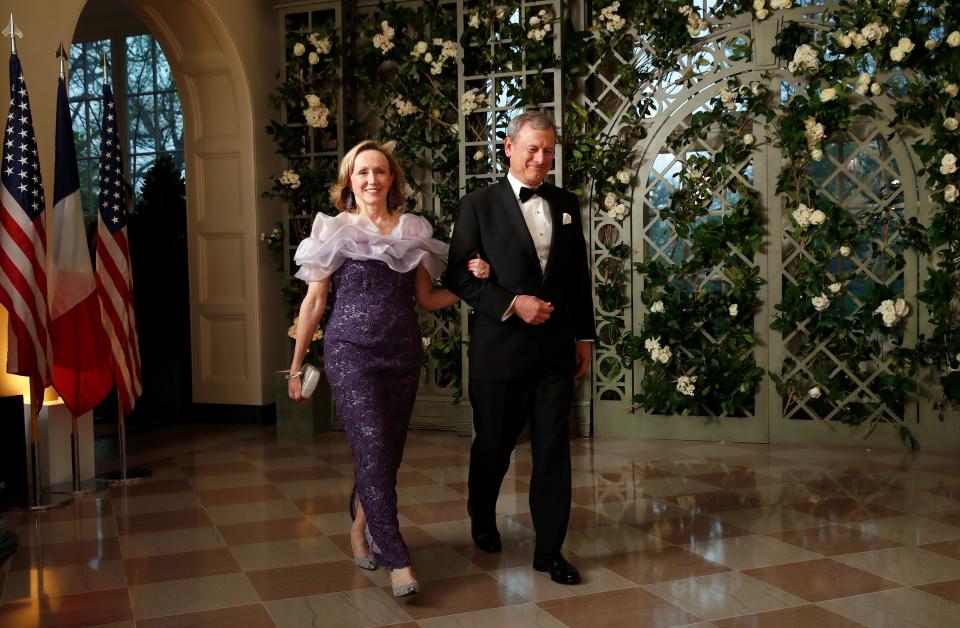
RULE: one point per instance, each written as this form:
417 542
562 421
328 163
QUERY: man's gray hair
535 118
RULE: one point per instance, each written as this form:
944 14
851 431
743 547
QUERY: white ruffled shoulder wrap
354 236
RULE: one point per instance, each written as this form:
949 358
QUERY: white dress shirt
536 213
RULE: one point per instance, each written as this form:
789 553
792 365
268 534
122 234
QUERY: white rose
845 41
905 44
610 200
828 94
948 165
951 89
534 20
651 343
950 193
762 14
477 156
930 44
748 139
299 49
896 54
420 47
817 217
950 124
835 287
428 57
953 39
816 154
859 41
657 307
821 302
759 4
845 250
814 392
733 309
313 58
900 308
474 20
876 89
623 176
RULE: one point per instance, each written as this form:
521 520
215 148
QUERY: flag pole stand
78 487
123 475
37 499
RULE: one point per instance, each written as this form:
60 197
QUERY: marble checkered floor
238 530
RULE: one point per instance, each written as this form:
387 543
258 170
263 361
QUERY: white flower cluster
610 20
695 23
950 89
865 84
804 216
760 7
892 311
950 193
828 94
316 114
657 353
657 308
820 303
872 32
948 164
290 179
383 41
728 98
321 45
686 385
805 57
615 208
472 100
541 23
815 392
813 132
953 39
902 49
623 176
292 332
448 50
404 107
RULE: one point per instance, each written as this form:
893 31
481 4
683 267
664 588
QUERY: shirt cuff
507 314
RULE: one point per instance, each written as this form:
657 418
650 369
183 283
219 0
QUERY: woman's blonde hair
340 191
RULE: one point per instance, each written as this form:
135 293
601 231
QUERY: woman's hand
294 388
479 268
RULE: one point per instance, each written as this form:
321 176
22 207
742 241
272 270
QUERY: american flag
114 276
23 243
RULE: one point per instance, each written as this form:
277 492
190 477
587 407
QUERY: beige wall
225 56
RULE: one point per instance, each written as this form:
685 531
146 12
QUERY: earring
351 201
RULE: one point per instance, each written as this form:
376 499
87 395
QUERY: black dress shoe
560 570
488 541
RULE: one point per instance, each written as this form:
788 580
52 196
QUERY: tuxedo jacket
491 223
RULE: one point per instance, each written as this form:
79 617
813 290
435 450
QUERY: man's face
531 155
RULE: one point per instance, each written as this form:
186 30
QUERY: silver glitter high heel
403 590
365 562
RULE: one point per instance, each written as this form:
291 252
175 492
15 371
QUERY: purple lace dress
372 352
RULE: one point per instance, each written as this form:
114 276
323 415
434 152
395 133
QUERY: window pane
139 166
142 124
163 72
140 78
169 122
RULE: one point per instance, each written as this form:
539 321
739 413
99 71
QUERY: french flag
81 360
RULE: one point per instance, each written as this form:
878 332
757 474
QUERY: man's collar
516 184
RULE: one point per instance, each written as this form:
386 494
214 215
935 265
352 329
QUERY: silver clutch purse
310 378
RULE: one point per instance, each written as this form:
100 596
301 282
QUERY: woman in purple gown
378 262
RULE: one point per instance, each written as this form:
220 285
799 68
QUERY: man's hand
584 356
531 309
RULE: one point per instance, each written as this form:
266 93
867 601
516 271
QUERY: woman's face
371 178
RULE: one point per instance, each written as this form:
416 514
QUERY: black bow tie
527 193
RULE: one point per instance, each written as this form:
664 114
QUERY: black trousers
500 411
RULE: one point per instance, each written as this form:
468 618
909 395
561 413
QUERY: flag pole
123 475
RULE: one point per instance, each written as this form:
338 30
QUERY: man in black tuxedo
531 334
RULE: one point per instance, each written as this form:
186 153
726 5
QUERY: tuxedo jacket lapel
556 215
514 215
